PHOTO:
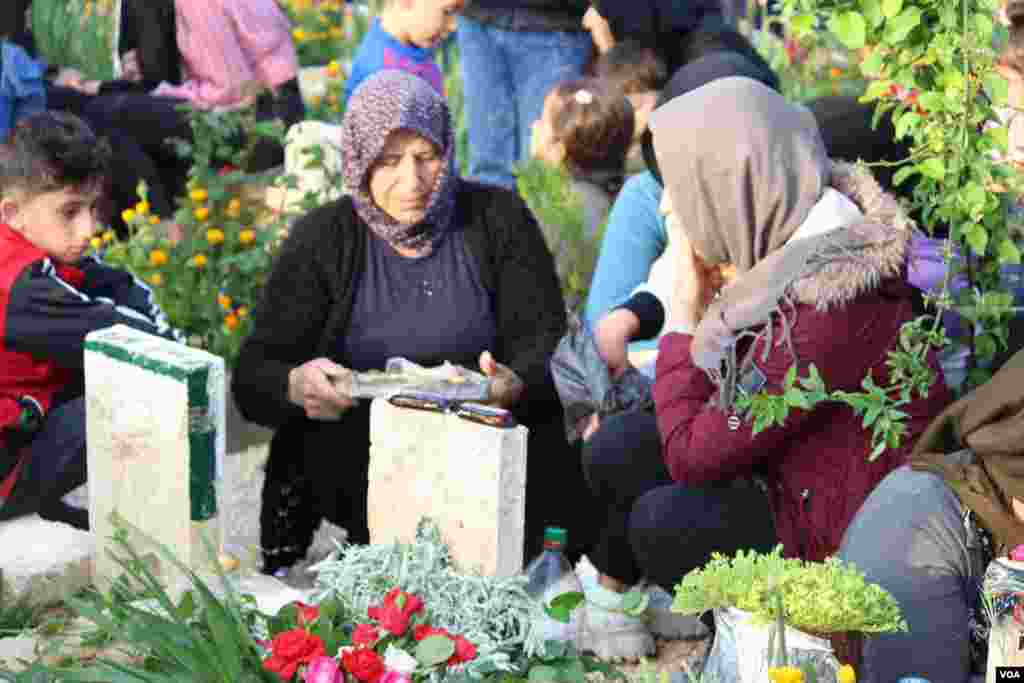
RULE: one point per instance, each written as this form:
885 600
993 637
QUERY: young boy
404 36
52 173
636 71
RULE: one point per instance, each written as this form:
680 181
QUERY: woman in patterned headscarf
415 263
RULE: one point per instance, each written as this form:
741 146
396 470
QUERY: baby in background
404 36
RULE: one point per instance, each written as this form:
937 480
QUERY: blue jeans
506 76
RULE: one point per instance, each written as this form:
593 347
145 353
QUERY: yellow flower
231 321
157 258
108 236
234 208
243 313
215 236
332 100
96 243
201 214
156 279
142 208
835 72
785 674
198 195
333 69
247 237
199 260
224 301
299 35
847 674
154 220
128 215
335 32
315 100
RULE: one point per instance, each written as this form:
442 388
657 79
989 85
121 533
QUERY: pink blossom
391 676
324 670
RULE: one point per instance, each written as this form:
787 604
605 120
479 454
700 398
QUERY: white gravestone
469 478
155 430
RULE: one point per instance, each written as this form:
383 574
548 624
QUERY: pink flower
394 677
324 670
365 635
1018 554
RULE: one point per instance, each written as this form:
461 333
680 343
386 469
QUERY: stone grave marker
470 478
155 427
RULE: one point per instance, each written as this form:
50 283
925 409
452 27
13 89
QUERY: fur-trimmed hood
843 281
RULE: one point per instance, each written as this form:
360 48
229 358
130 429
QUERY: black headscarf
701 72
13 26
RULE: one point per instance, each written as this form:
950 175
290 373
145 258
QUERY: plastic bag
739 653
584 384
451 382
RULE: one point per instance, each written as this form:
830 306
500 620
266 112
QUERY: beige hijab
743 168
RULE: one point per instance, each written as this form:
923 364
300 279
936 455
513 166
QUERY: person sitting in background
52 173
585 128
787 259
415 263
636 254
404 36
22 92
635 70
224 49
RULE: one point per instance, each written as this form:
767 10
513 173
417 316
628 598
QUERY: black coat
318 469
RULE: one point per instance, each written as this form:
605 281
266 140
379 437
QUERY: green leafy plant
201 637
818 597
76 33
208 281
547 190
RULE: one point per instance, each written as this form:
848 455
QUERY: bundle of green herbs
817 597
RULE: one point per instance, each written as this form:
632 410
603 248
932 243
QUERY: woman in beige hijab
789 259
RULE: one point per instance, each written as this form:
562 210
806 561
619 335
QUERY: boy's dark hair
631 67
50 151
594 123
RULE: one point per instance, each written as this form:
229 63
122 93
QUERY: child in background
404 37
52 173
635 70
586 129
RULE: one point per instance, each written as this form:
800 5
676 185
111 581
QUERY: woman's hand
310 387
612 335
506 387
696 284
130 68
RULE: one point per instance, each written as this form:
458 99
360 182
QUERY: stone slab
155 417
470 478
43 562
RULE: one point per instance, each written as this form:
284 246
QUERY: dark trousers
322 473
56 466
653 527
153 121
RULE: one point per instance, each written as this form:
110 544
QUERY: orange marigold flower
128 215
247 237
157 258
234 208
154 220
835 72
231 321
333 69
242 313
215 236
108 236
224 301
142 208
199 260
96 243
201 214
156 279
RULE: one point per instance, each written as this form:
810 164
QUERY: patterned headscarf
388 101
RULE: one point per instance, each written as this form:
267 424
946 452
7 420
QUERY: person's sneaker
669 625
613 625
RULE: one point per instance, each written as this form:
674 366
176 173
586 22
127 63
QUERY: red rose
284 668
425 631
226 169
465 651
392 620
306 613
292 648
365 634
365 665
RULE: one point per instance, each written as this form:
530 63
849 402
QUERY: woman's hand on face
311 386
506 386
612 335
694 288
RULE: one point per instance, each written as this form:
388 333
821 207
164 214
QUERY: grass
77 33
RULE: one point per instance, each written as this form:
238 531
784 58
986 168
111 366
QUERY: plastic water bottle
548 576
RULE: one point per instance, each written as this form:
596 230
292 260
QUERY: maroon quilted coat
816 464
